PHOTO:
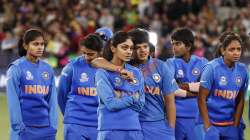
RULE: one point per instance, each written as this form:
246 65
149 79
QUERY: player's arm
191 89
169 87
206 84
184 93
192 86
106 93
239 108
53 114
170 109
64 86
240 102
139 99
101 62
202 96
13 91
183 89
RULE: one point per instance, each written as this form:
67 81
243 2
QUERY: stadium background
66 21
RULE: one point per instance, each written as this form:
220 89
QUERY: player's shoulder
135 70
46 66
170 61
76 60
241 66
200 59
211 65
131 68
160 64
214 63
18 62
158 61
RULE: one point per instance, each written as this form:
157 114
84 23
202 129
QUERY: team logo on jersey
223 80
134 81
238 80
84 77
196 71
180 73
156 77
118 81
45 75
29 75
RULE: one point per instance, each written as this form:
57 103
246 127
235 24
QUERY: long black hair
118 38
29 35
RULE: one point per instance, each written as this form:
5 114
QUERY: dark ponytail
21 50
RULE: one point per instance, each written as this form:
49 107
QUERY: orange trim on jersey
223 123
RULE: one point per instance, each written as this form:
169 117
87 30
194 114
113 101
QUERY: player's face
124 50
179 48
142 51
88 54
232 52
36 47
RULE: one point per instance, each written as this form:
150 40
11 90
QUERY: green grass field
4 121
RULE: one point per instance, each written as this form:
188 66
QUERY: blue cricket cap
105 33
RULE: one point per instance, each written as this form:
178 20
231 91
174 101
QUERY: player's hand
183 86
118 94
194 87
126 74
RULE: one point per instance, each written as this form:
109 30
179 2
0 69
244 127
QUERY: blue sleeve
105 93
204 61
169 84
138 105
64 86
13 92
207 76
170 66
53 114
245 85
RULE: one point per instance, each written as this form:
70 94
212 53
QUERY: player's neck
143 61
230 64
186 57
32 59
117 62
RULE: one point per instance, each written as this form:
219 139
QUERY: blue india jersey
31 94
224 84
77 96
158 82
186 72
118 108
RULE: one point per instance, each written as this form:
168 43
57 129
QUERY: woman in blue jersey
77 97
120 100
223 84
158 116
186 69
31 91
219 54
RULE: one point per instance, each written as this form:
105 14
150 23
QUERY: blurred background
67 21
